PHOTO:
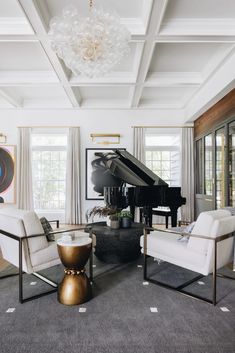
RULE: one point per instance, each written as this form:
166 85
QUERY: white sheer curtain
139 143
25 181
73 194
187 174
139 151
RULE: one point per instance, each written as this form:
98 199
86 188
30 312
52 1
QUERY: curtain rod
42 127
165 127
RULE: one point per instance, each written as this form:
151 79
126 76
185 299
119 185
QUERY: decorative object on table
90 45
126 219
97 175
115 221
75 287
106 139
7 173
68 237
100 211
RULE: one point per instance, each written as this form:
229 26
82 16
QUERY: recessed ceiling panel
23 56
130 8
4 104
10 8
42 92
200 9
134 13
104 92
12 19
183 57
166 95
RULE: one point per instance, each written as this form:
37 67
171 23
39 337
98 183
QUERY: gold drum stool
75 287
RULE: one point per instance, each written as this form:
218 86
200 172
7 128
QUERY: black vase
126 222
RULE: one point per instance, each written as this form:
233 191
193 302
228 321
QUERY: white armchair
210 247
24 244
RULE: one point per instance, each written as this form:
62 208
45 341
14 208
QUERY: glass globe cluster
92 45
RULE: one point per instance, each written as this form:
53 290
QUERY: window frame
169 148
49 148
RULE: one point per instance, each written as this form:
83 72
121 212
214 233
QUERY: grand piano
124 181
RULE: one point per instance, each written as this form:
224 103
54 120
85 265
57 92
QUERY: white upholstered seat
197 254
210 247
38 253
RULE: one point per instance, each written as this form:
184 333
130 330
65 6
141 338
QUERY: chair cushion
203 226
166 246
33 226
46 255
223 226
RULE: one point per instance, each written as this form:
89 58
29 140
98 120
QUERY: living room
117 206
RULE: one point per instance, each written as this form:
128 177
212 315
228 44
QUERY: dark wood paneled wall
221 111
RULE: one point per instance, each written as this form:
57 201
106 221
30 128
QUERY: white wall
90 121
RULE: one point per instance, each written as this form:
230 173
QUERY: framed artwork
96 174
7 174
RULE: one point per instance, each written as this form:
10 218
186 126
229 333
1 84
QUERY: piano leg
174 217
132 210
148 216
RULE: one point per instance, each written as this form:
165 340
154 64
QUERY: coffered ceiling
176 47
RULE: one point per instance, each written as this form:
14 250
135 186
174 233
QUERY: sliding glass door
215 168
220 157
231 161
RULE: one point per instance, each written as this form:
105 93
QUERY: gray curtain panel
187 174
73 193
25 181
139 143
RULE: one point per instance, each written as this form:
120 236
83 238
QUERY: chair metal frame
180 288
20 241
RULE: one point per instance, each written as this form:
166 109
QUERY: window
199 166
49 156
208 165
162 154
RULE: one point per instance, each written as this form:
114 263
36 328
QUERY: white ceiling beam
157 14
173 79
18 38
194 39
15 25
14 101
35 18
28 78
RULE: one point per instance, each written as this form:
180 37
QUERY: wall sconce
3 138
106 139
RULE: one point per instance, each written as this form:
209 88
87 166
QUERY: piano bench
164 213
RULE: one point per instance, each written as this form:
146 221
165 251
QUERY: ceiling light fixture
92 45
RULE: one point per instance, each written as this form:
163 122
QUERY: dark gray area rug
118 319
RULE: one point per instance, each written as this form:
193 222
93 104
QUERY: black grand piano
125 181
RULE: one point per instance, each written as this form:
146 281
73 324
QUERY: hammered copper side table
75 287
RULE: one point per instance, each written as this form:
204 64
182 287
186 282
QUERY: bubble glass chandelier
89 46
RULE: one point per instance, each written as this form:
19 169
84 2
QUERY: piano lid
131 170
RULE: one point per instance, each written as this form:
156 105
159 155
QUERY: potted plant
100 211
114 221
126 219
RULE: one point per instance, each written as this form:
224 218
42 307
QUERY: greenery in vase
101 212
115 216
125 214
